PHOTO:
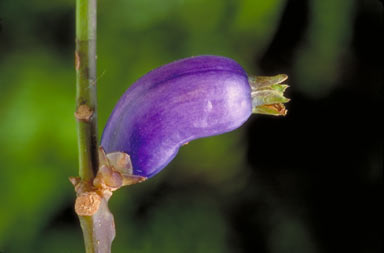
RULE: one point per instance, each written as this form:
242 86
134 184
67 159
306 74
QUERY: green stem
98 229
86 98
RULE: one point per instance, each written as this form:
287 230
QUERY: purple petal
174 104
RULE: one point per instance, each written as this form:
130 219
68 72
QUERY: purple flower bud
174 104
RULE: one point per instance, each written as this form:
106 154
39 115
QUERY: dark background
307 182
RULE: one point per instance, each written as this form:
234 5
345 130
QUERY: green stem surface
98 229
86 97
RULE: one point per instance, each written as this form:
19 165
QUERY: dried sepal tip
267 94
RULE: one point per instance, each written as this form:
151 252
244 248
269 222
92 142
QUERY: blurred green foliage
38 134
332 20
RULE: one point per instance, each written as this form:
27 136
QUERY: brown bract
87 203
88 199
83 113
115 171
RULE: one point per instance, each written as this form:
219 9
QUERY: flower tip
268 94
272 109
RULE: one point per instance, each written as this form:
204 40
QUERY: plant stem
98 229
86 98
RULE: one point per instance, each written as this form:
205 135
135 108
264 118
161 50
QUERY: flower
179 102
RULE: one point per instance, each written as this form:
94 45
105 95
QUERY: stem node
83 113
